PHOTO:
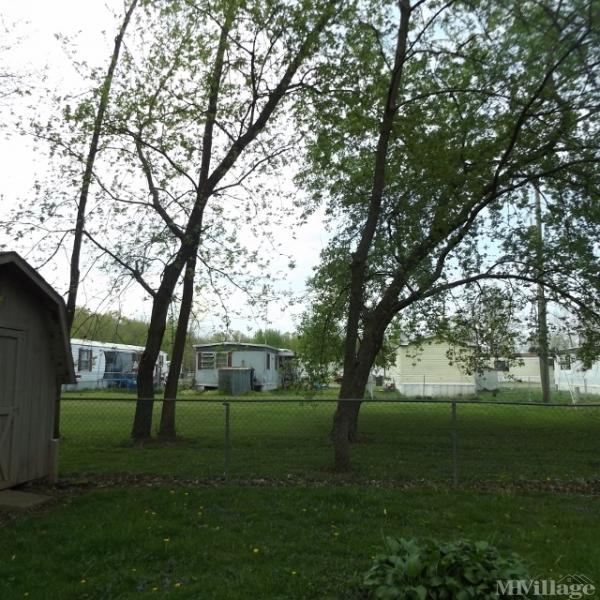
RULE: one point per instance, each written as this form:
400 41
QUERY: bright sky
34 50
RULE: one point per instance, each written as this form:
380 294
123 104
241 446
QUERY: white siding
251 358
588 382
94 379
88 379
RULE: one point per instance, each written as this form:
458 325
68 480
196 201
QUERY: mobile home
525 369
425 370
571 376
105 365
264 364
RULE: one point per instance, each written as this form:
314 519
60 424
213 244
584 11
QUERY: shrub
414 570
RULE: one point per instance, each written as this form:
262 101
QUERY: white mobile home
264 363
109 365
425 370
570 375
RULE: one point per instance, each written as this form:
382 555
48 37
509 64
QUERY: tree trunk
543 350
167 417
352 391
85 187
142 422
359 355
345 422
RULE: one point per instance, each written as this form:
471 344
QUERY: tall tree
78 233
446 121
86 181
208 86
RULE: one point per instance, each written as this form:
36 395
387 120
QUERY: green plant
422 570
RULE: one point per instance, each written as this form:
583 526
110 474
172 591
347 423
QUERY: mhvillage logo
573 587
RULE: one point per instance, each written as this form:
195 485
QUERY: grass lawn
270 543
507 392
400 440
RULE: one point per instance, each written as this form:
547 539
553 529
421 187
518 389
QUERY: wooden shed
35 358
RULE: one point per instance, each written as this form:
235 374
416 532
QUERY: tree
103 99
484 328
200 102
274 337
78 233
211 82
321 335
426 155
12 84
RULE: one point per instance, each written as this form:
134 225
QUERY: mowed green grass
399 440
271 543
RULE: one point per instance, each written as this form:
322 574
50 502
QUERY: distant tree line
113 327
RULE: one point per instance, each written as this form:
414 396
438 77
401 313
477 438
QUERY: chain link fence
401 440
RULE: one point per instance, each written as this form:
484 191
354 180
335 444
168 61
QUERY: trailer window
206 360
501 365
84 361
223 359
564 361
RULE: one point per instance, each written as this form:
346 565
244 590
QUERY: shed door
10 346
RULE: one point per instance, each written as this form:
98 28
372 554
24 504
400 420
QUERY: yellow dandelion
82 581
294 573
155 589
171 491
336 533
177 584
13 557
385 511
166 540
256 550
134 570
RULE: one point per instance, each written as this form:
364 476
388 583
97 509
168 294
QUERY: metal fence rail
434 440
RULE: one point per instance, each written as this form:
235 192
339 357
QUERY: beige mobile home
35 359
425 370
525 370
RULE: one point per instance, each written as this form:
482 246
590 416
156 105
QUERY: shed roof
11 262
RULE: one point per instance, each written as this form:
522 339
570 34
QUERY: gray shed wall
29 401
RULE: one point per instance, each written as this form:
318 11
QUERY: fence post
454 436
227 440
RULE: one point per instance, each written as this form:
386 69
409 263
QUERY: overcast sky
34 51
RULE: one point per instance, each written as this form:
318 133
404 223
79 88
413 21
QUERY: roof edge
13 258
